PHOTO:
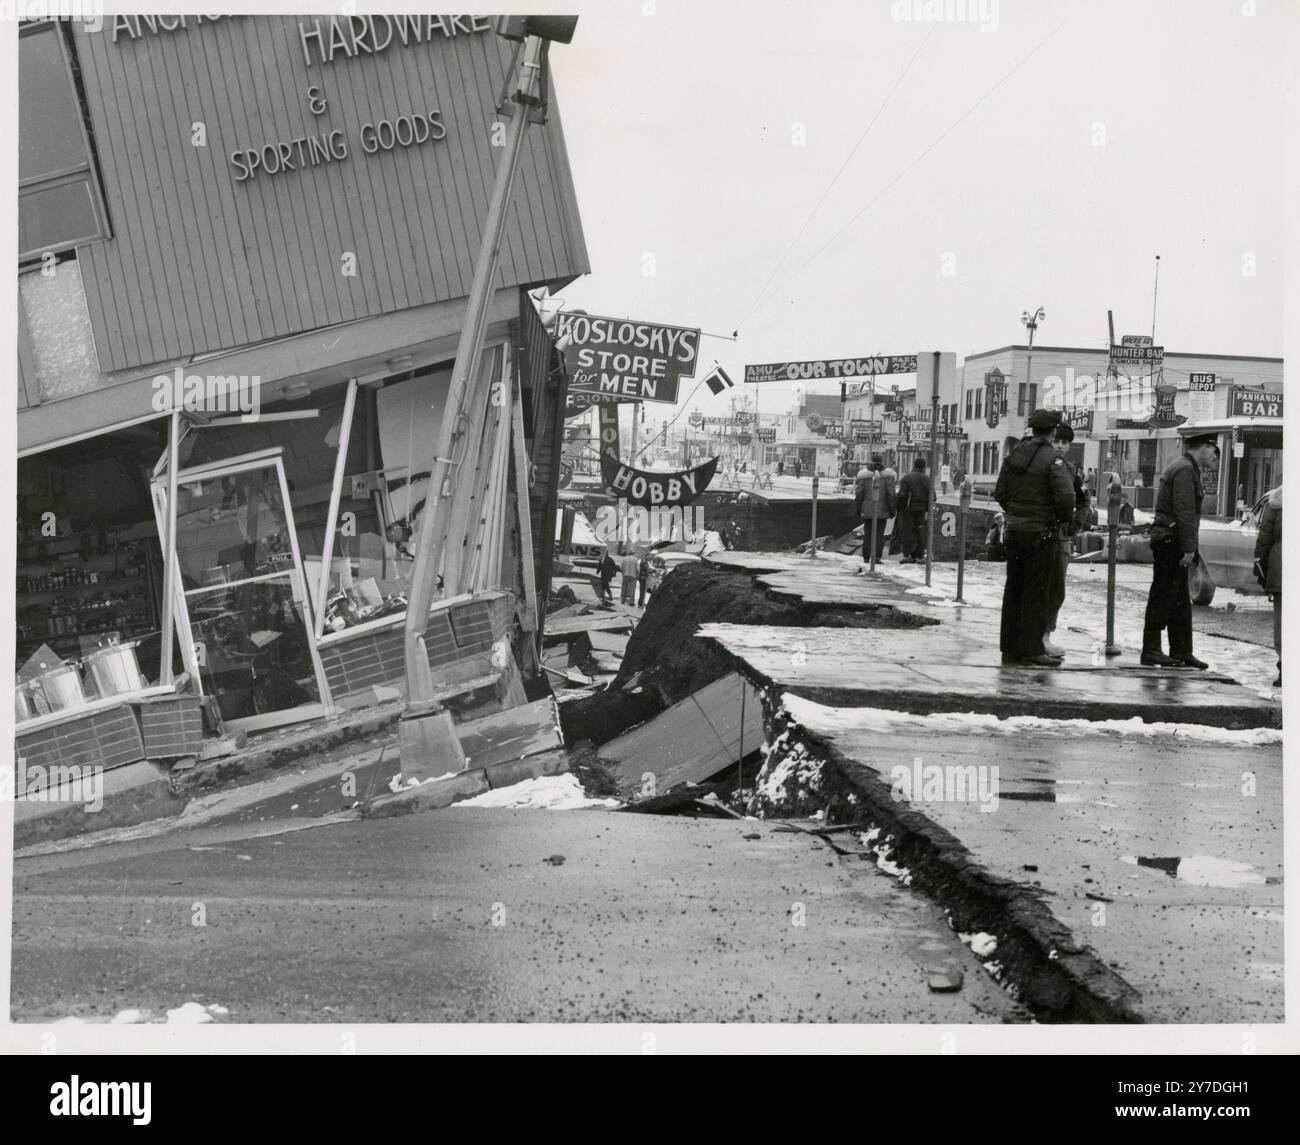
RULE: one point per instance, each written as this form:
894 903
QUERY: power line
831 186
965 115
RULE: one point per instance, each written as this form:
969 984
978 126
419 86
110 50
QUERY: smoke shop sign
831 368
639 361
324 41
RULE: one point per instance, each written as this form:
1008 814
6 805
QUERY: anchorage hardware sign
831 368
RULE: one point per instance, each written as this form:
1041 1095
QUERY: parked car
1228 549
662 562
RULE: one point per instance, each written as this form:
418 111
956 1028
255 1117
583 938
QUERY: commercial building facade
1112 416
246 246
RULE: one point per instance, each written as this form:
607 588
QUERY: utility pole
426 737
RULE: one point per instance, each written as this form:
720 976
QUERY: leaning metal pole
427 739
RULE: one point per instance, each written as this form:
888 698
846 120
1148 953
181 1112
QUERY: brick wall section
452 635
172 726
108 738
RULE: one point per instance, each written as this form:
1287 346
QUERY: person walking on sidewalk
643 577
606 570
1174 542
630 569
1061 439
1037 495
913 505
874 502
1268 566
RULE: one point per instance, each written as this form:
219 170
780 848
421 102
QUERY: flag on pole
718 380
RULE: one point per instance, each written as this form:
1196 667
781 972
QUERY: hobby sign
638 361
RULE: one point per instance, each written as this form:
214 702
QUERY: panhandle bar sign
1255 403
831 368
621 359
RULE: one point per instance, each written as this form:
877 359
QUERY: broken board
694 739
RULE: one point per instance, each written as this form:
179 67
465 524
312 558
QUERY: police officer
1175 538
1062 438
1036 493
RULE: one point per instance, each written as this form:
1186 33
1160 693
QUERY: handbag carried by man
1200 584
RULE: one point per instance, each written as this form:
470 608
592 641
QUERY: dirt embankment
666 663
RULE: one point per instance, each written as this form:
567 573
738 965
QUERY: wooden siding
199 262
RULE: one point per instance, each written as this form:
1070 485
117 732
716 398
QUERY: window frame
87 172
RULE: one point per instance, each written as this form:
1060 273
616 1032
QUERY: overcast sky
1043 157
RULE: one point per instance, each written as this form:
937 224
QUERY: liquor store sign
324 41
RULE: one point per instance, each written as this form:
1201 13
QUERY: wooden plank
694 739
608 642
597 622
513 734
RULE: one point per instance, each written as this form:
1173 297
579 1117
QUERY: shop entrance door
242 594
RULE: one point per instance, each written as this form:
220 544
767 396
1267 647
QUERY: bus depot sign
831 368
627 360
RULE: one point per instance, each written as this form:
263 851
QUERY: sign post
875 482
812 552
427 741
934 457
963 504
1112 547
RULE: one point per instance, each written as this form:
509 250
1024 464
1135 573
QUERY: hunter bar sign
831 368
637 361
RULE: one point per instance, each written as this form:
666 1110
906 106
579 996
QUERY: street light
1030 323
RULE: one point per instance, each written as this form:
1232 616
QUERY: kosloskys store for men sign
643 361
269 175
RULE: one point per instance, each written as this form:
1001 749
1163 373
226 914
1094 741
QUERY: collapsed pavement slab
935 670
690 741
1159 848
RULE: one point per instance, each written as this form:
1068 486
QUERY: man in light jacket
874 502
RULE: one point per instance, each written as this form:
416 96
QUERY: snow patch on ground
822 719
397 783
548 792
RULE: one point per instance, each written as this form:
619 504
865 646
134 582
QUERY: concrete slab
930 670
691 740
1162 852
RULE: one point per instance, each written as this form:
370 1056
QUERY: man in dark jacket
1037 495
1268 566
1174 541
1062 438
874 501
913 505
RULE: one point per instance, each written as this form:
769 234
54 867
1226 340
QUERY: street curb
127 808
269 758
477 781
1057 976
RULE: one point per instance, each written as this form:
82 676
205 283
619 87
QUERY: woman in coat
1268 566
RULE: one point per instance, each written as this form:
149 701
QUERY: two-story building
1237 396
246 244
